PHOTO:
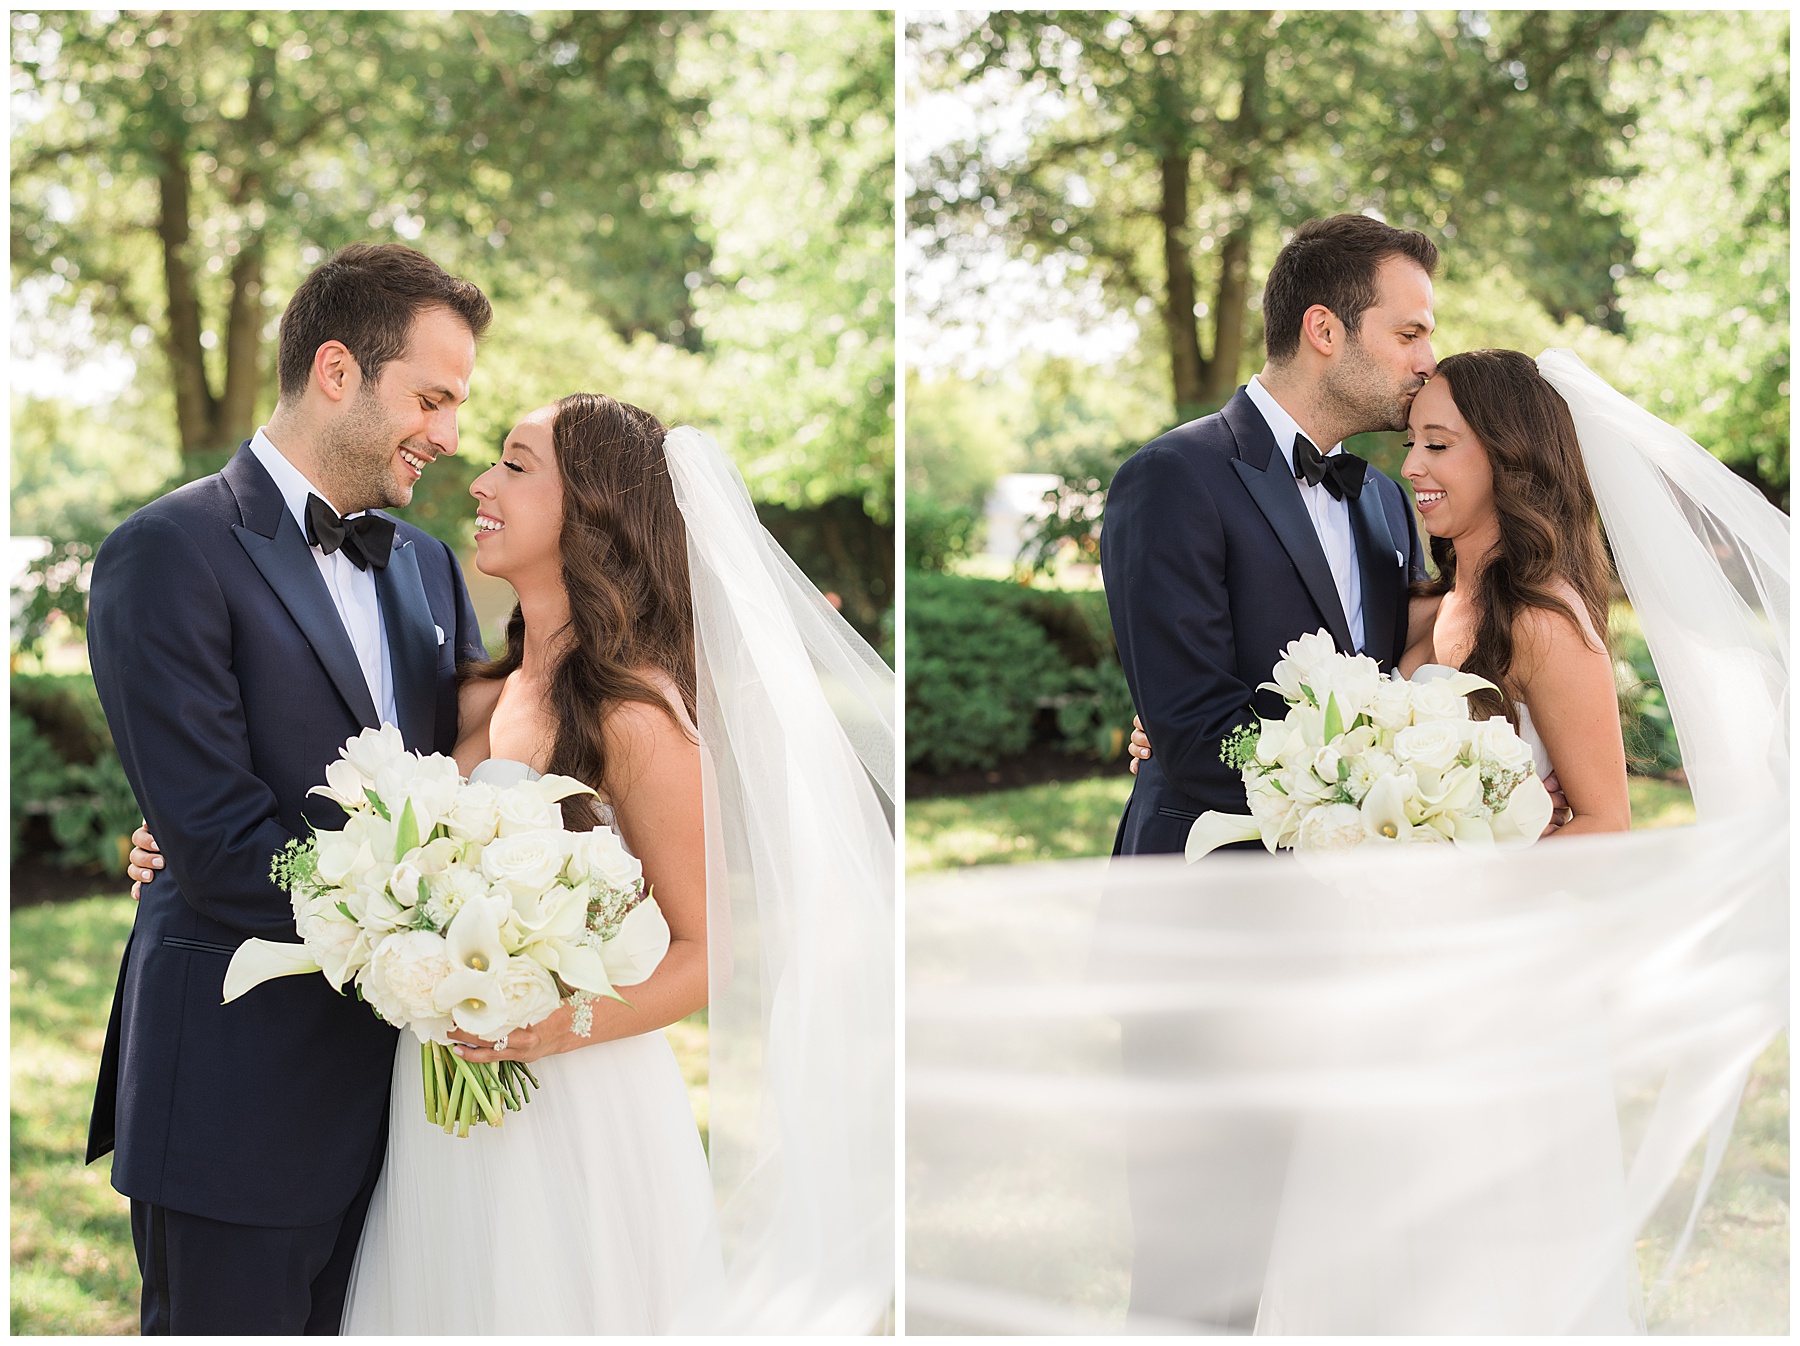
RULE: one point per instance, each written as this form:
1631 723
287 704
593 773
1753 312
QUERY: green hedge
992 667
70 800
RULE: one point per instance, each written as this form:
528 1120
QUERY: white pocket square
440 630
1399 560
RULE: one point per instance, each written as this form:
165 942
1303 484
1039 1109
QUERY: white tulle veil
796 721
1403 1090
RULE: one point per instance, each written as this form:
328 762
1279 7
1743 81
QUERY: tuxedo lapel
286 563
412 645
279 549
1271 484
1379 563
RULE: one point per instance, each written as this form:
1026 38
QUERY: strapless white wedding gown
589 1212
1510 1257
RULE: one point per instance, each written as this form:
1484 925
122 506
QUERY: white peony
340 947
402 979
1333 827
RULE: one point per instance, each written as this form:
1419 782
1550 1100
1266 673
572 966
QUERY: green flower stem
429 1076
443 1084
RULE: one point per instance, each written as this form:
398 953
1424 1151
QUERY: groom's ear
335 371
1321 329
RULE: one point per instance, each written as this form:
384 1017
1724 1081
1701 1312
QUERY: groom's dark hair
366 296
1333 262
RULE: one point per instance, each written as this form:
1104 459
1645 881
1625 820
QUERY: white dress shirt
352 590
1330 516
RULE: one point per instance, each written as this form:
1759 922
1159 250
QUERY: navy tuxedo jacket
1212 566
229 683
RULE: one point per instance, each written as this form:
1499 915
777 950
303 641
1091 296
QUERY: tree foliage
1184 141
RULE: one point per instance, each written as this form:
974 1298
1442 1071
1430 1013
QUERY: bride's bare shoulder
636 731
1546 639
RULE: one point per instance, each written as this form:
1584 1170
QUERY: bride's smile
1448 469
519 505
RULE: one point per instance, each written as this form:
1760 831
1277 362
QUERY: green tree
1186 140
175 172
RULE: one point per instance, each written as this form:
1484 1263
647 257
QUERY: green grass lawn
1067 819
73 1270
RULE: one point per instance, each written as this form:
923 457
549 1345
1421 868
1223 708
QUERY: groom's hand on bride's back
145 859
1140 744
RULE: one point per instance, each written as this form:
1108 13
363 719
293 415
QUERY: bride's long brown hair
625 567
1549 523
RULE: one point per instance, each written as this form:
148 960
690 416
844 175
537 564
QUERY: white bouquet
1364 758
449 905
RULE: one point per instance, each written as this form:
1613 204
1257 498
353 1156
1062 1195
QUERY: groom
1234 534
1224 540
241 629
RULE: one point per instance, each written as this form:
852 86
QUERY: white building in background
1017 498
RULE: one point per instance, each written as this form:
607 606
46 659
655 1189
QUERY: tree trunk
236 411
1228 316
194 403
1183 329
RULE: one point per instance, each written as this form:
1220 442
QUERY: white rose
373 749
600 855
402 978
1496 741
1437 701
1434 745
475 815
526 862
527 991
1391 706
1332 827
520 808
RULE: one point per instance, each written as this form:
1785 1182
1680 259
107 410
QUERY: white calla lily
633 954
259 960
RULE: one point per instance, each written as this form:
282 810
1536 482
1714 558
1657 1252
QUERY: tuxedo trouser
211 1278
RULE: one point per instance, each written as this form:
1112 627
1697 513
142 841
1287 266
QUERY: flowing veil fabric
796 720
1399 1090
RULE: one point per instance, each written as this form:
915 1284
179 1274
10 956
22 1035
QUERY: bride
666 652
1489 1068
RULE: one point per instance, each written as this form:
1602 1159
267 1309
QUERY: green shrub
976 670
939 533
1650 746
984 657
66 771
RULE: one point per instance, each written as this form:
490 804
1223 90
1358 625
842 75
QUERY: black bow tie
1342 472
367 539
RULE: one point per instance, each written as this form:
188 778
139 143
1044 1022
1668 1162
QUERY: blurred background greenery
1094 199
691 211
